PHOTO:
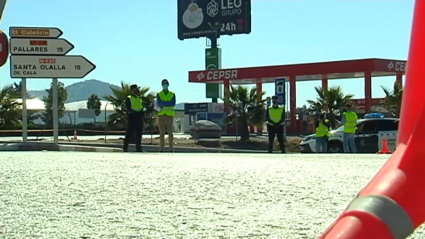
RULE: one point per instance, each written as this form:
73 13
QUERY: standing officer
166 100
349 120
322 134
135 111
275 117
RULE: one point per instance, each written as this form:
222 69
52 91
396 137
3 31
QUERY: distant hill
80 90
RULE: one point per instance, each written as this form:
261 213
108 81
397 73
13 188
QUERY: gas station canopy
303 72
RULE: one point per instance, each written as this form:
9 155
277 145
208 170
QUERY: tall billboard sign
197 17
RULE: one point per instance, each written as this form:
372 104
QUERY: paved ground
117 195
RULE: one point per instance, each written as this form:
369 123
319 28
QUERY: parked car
368 138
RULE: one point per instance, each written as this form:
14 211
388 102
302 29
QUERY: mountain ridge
80 90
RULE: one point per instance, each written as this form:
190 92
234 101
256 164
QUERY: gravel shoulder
131 195
258 144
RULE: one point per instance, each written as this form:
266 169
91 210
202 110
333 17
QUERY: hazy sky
136 40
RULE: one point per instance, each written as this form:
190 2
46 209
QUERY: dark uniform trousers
134 131
275 130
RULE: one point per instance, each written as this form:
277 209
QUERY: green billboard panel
213 62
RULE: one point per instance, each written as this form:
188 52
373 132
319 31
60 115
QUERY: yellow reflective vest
136 103
275 114
350 122
166 110
322 130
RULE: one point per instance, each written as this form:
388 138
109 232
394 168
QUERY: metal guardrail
30 130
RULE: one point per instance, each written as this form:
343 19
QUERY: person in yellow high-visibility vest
166 101
275 117
135 112
322 134
349 120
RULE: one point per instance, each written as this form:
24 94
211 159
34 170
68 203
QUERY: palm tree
393 99
117 99
18 88
329 101
10 112
93 102
245 109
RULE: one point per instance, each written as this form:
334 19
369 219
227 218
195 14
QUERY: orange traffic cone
384 149
75 135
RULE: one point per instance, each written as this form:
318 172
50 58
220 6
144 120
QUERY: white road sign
279 84
24 46
35 32
50 66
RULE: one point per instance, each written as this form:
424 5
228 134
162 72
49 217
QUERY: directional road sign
35 32
280 90
24 46
2 7
50 66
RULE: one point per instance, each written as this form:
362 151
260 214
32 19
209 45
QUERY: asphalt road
118 195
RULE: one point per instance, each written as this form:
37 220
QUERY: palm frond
329 101
118 98
393 99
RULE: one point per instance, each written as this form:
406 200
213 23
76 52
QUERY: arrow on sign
23 46
35 32
2 7
50 66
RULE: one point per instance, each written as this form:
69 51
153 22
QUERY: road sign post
55 111
36 52
24 110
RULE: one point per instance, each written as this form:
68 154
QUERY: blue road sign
280 90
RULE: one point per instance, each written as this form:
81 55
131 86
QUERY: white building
33 104
72 112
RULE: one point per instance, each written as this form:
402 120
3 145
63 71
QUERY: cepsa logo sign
218 75
397 66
